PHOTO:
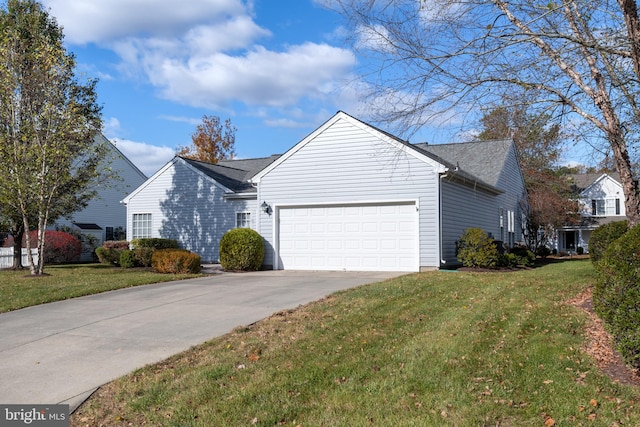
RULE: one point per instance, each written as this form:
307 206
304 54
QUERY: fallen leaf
591 417
550 422
547 381
593 403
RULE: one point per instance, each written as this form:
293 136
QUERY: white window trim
246 217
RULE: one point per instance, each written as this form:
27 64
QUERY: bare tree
435 57
212 141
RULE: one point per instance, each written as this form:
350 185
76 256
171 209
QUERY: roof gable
584 181
379 134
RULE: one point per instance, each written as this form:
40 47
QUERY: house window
243 220
109 234
141 226
602 207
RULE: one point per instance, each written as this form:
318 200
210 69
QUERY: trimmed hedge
476 249
616 294
127 259
155 243
175 261
602 237
241 249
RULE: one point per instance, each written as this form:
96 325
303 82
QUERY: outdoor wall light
265 207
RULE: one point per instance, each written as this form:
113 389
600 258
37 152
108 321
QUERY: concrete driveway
62 352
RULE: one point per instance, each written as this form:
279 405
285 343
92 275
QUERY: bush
476 249
602 237
59 247
241 249
109 252
154 243
543 251
175 261
616 294
143 256
580 250
127 259
517 256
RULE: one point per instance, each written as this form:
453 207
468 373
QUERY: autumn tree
431 58
539 146
48 120
212 141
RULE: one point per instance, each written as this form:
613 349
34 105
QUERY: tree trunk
18 234
629 183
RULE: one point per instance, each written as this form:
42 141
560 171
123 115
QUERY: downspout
442 260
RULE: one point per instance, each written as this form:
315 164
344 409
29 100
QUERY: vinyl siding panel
464 207
345 164
188 206
106 208
512 183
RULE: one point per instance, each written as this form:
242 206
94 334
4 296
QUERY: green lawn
18 289
429 349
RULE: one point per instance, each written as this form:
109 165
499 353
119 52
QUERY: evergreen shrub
127 259
616 294
602 237
155 243
241 249
476 249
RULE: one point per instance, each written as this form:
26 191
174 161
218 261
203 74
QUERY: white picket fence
6 257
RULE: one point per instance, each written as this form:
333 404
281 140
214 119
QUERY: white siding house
347 197
601 201
105 214
195 203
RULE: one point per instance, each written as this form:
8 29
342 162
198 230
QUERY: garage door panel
355 237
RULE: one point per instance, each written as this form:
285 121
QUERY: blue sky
277 69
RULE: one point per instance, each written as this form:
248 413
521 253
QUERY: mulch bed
600 344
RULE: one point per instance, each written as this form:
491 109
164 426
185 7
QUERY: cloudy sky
277 69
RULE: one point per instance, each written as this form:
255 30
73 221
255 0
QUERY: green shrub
241 249
109 252
175 261
155 243
476 249
127 259
616 294
523 256
143 256
580 250
602 237
543 251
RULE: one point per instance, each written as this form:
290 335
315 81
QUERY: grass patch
19 289
429 349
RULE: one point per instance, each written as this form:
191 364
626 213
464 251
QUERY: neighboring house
105 216
601 201
347 197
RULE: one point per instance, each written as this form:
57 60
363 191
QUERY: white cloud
104 21
205 53
261 77
148 158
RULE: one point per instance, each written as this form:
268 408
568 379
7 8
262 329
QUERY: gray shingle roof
233 174
481 159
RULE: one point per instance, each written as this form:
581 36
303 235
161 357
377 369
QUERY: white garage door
374 237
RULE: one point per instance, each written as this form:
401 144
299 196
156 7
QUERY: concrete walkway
62 352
